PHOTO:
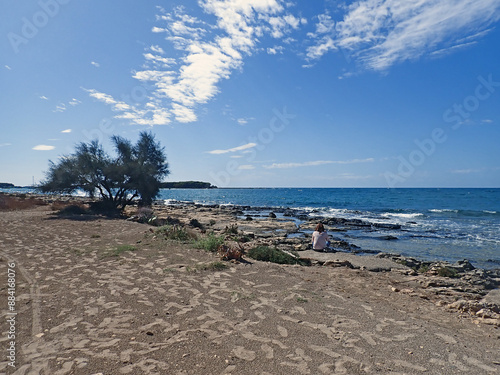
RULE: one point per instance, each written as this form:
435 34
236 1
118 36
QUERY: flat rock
369 262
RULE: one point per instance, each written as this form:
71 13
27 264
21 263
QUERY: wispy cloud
7 67
316 163
380 33
207 52
234 149
96 64
74 102
244 120
43 148
5 144
467 171
152 115
61 107
43 97
66 131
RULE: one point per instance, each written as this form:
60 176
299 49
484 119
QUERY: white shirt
319 240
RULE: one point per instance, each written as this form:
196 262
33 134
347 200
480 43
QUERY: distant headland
8 185
187 185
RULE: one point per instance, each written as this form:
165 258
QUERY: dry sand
84 310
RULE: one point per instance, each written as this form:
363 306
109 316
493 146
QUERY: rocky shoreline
459 286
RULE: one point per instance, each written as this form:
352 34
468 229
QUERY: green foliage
231 229
447 272
136 171
271 254
121 249
423 268
72 210
173 232
213 266
211 242
195 223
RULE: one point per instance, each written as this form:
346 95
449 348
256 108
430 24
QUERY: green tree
135 172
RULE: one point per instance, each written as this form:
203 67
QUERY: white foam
404 216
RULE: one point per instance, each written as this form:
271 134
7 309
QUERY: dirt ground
87 303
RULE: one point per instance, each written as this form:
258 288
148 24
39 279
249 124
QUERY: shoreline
299 216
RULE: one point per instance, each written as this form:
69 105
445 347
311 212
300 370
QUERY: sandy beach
95 295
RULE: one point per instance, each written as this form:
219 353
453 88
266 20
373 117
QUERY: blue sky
259 93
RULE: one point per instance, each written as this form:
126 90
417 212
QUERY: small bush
231 229
105 208
271 254
447 272
195 223
121 249
423 268
72 210
209 243
145 215
213 266
174 232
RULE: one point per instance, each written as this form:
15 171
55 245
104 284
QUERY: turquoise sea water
447 224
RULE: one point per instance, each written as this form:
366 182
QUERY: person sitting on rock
320 239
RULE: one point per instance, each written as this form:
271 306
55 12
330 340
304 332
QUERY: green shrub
213 266
72 210
447 272
211 242
423 268
121 249
231 229
271 254
174 232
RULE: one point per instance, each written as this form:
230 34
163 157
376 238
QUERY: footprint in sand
241 352
282 331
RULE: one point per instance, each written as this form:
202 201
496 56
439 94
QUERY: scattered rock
338 263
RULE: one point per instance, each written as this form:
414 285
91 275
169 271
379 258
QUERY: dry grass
18 202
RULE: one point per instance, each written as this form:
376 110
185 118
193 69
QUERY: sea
436 223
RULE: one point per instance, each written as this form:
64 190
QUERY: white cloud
66 131
43 97
73 102
244 120
275 50
157 49
154 114
316 163
5 144
96 64
234 149
8 67
43 148
208 52
61 107
381 33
